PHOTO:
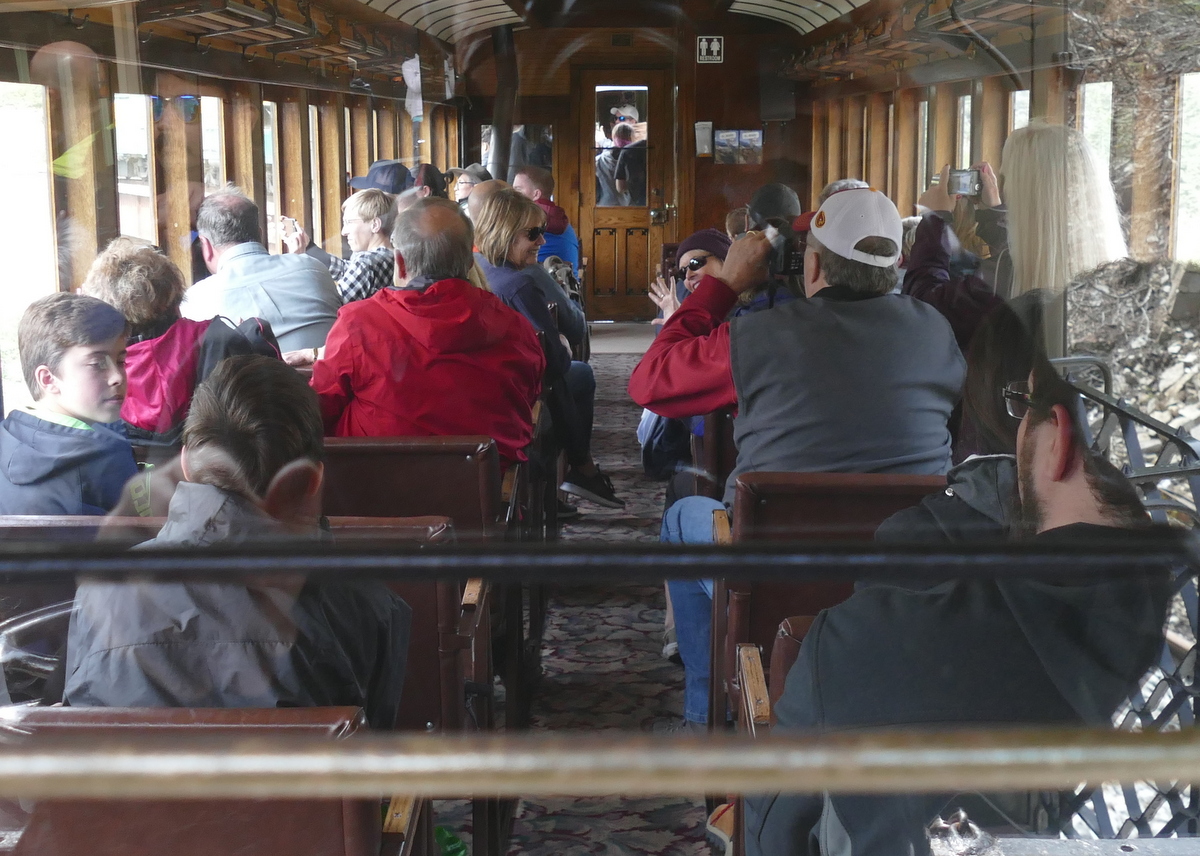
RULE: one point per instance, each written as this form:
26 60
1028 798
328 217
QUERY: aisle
602 661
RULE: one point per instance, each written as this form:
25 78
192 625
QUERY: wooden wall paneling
246 164
83 149
361 148
425 141
820 161
1048 95
333 169
437 137
453 147
944 121
989 114
905 156
834 150
386 121
853 122
179 159
404 138
688 103
879 140
295 160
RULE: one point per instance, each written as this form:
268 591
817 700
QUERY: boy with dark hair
66 453
253 466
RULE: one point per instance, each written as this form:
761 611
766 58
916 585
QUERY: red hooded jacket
447 360
556 217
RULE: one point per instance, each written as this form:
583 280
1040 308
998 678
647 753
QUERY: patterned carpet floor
602 664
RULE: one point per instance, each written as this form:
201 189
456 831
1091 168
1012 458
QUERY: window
1187 182
1095 120
134 120
27 228
963 151
212 125
349 142
1018 109
314 148
271 161
621 139
922 153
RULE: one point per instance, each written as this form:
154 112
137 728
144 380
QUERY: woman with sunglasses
699 255
508 232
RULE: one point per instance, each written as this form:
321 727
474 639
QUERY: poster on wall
725 146
750 148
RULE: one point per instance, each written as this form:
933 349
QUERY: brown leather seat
796 507
269 827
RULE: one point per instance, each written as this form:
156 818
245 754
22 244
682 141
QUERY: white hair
1062 214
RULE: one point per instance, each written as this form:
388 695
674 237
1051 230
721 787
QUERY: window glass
212 127
314 148
922 153
1187 191
1095 108
1019 109
26 230
271 161
963 142
135 166
531 144
622 138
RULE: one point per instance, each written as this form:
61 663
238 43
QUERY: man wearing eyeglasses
1034 650
853 379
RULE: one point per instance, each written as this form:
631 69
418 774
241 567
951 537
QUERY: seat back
248 827
717 453
455 477
796 507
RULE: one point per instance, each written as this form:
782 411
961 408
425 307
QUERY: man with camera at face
853 379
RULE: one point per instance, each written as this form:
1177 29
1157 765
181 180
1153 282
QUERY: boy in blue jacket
67 453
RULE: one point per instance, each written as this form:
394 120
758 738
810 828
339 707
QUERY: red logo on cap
820 221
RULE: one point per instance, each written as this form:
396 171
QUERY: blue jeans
690 521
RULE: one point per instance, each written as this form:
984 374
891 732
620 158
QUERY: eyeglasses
187 106
693 264
534 232
1018 399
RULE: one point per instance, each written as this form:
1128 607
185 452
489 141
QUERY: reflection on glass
530 145
134 167
29 226
1187 192
212 129
1020 109
964 132
622 130
271 161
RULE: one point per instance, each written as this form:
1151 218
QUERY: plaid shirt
364 274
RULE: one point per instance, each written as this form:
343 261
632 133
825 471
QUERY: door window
622 139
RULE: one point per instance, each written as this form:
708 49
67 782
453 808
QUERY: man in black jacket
975 652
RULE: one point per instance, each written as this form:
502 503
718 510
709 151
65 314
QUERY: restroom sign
710 49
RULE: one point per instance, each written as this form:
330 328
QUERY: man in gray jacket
295 294
252 453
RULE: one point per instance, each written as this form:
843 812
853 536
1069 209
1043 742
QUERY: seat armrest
402 833
472 593
722 530
756 704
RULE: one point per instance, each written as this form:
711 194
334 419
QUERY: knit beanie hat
710 240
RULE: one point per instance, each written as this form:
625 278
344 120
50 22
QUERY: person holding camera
853 379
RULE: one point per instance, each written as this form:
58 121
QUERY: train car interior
754 427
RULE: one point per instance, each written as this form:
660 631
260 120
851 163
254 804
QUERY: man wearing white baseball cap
855 379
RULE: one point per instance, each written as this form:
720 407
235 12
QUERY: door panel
626 132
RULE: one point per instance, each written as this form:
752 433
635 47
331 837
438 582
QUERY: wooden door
626 190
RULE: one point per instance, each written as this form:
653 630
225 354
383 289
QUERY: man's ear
294 495
1063 456
46 380
376 226
207 250
423 191
812 271
400 275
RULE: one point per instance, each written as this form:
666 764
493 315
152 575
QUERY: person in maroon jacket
431 355
168 356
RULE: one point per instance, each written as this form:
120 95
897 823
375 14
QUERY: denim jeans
689 521
582 384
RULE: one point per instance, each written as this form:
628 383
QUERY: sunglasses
693 265
533 232
187 106
1017 399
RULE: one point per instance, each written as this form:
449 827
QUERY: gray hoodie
232 644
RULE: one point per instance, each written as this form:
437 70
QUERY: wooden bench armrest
403 834
722 529
756 703
472 593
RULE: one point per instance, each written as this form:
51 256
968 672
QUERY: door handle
660 216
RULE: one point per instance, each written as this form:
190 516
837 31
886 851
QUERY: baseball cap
389 175
625 112
848 217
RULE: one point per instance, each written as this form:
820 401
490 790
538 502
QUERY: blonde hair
503 215
1062 215
372 204
137 280
478 278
